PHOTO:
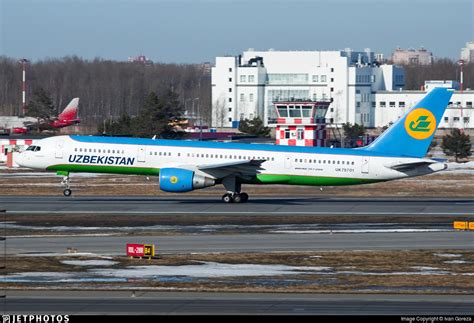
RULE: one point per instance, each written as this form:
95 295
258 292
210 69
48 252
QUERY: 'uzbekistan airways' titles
101 160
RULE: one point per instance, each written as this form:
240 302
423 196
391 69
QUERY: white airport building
359 88
467 53
390 106
246 86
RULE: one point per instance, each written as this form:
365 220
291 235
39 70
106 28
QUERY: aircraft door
365 165
287 162
58 152
141 154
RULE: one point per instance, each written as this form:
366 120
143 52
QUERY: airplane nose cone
20 159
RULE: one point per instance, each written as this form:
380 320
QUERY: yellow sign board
460 225
149 250
471 225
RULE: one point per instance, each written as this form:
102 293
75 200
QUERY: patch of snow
464 168
457 262
209 269
448 255
396 273
55 277
35 276
424 268
66 254
94 262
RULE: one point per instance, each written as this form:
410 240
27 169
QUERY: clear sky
193 31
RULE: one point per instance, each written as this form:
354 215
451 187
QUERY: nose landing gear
67 192
65 182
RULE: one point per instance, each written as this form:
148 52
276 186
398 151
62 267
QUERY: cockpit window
34 148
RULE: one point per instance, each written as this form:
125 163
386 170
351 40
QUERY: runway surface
238 303
281 206
256 206
115 245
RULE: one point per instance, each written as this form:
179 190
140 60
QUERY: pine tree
254 127
457 144
41 108
352 133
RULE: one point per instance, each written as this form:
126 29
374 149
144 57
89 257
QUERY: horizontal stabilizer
410 165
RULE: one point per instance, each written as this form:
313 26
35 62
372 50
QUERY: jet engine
182 180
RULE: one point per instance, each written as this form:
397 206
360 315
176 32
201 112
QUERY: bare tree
219 112
108 89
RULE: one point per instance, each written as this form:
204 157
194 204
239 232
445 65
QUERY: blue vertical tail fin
411 135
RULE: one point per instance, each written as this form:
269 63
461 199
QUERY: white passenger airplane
184 166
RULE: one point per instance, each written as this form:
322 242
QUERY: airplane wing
240 168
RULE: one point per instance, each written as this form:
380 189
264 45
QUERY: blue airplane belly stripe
221 145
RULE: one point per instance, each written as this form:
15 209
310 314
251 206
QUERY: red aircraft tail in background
68 117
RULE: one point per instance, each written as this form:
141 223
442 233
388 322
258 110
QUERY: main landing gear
67 191
233 194
235 197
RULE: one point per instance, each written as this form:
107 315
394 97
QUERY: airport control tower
301 123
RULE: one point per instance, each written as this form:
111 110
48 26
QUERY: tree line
107 89
440 69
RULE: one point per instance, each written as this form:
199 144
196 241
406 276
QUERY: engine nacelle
182 180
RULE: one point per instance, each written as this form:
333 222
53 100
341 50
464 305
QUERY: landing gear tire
227 198
67 191
238 198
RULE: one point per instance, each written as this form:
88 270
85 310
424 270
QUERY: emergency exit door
287 162
59 148
365 165
141 154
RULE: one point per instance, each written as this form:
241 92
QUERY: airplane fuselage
281 165
183 166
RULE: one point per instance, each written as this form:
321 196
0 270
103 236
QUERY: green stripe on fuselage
310 180
259 179
106 169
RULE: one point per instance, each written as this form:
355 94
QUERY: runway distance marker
140 250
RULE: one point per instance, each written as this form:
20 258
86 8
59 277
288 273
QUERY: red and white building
301 123
10 147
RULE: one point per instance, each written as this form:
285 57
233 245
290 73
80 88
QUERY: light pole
461 66
194 114
23 63
200 119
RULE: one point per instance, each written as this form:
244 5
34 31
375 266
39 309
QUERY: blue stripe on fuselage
226 145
